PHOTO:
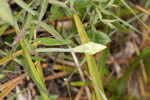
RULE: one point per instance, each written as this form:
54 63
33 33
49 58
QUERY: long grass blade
93 69
44 5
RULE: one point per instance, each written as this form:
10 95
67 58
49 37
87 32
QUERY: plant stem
93 69
32 69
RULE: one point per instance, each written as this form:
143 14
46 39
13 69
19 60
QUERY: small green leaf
100 37
52 41
90 48
22 4
5 12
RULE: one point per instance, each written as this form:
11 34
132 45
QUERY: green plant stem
32 69
93 69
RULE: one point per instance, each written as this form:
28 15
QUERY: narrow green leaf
33 72
127 24
102 66
99 13
44 4
3 28
51 30
134 13
25 6
93 70
32 30
52 41
121 27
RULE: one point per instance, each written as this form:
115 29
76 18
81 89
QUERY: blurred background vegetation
74 49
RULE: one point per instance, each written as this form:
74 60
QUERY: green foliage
30 65
99 37
51 30
121 27
56 12
44 5
5 12
88 48
93 25
25 6
90 59
81 3
52 41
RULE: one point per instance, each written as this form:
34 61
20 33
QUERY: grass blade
103 62
3 28
14 55
52 41
93 70
30 65
22 4
44 4
123 1
51 30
